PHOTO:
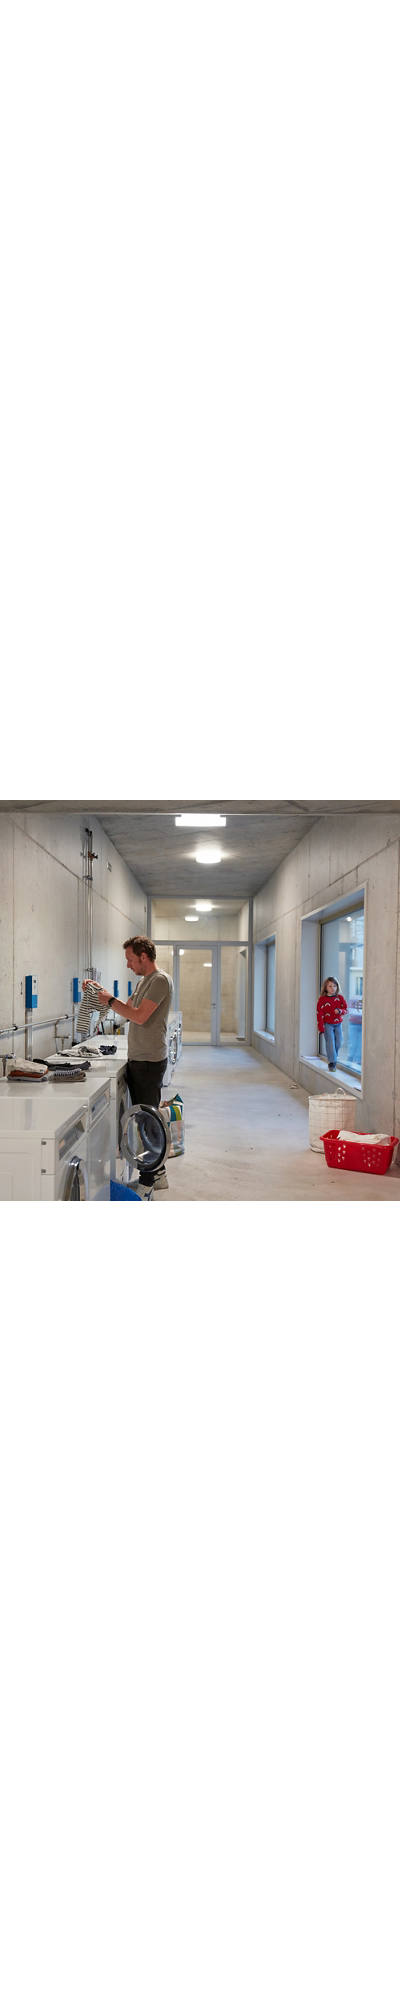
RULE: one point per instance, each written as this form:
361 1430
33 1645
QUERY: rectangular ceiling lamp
200 819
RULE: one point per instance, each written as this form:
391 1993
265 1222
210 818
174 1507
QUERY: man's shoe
160 1180
143 1192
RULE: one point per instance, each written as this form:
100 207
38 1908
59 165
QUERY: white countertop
38 1110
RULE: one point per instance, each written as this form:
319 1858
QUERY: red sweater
330 1008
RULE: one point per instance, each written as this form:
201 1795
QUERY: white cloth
366 1138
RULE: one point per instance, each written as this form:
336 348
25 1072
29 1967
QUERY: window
270 961
342 958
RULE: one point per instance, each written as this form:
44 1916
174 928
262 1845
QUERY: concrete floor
193 1040
246 1128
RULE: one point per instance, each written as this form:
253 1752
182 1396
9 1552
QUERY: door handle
76 1184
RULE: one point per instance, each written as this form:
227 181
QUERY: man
147 1012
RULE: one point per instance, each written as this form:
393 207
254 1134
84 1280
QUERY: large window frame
350 910
270 945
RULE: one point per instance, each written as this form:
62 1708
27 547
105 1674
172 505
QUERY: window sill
352 1083
264 1035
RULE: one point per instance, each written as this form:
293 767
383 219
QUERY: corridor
246 1137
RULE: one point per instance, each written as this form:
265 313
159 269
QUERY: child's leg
329 1042
338 1034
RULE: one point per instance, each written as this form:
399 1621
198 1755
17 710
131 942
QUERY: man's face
134 962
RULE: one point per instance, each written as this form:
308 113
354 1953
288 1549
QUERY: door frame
215 947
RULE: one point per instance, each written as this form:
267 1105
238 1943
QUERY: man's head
140 955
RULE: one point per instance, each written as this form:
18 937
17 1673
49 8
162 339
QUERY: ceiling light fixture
207 962
204 906
209 855
200 819
191 920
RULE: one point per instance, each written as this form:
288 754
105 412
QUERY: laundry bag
338 1109
172 1113
120 1193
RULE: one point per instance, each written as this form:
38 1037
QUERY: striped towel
90 1005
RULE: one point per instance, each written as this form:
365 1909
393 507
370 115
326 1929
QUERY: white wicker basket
336 1109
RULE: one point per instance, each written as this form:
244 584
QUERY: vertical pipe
84 910
89 857
28 1032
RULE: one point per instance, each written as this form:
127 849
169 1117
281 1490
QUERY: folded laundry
21 1075
366 1138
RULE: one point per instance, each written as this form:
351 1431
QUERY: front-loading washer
110 1069
100 1140
95 1091
43 1146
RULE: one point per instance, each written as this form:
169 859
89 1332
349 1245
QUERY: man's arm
125 1007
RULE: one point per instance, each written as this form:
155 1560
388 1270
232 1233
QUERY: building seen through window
342 958
270 958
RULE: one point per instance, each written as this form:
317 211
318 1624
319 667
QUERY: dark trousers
145 1084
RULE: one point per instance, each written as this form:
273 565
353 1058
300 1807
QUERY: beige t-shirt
149 1041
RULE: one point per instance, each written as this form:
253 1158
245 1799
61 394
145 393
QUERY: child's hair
330 981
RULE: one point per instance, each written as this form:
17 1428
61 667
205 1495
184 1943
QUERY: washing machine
101 1135
112 1069
174 1049
95 1090
143 1139
43 1145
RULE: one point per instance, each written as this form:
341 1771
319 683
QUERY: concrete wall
338 857
41 914
210 928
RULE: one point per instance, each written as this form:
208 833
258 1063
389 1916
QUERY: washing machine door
76 1180
143 1138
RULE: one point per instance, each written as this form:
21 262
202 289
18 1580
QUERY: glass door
232 1009
210 990
196 993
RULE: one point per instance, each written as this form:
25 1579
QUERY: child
330 1010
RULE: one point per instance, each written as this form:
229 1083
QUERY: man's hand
101 993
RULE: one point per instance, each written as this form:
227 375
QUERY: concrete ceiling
258 835
163 856
312 807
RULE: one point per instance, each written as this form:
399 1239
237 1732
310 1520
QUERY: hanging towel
90 1005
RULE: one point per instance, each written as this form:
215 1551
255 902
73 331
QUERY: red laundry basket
360 1159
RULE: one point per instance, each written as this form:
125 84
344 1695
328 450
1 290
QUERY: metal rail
36 1025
